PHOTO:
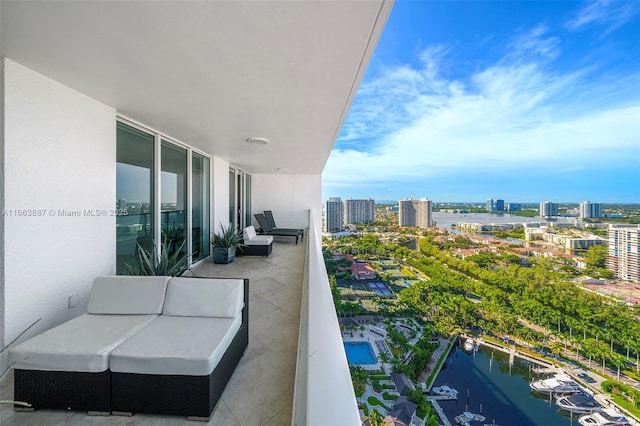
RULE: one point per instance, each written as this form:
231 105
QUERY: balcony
261 391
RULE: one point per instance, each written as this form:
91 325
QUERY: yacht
604 417
445 390
467 417
469 345
560 384
578 403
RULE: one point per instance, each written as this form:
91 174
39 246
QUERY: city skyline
540 102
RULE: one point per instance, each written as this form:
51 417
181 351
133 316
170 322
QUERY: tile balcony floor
260 391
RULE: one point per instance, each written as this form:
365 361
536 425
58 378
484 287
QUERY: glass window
134 192
247 203
173 197
200 207
239 202
232 197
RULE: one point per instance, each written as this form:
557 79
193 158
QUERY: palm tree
603 353
617 360
556 348
590 347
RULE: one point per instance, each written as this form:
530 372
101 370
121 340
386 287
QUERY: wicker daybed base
63 390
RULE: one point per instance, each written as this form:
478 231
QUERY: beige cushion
82 344
204 297
191 346
259 240
125 294
248 233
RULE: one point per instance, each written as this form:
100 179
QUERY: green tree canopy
595 257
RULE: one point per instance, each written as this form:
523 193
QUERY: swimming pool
359 353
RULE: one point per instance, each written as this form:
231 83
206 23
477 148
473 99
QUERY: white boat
560 384
469 345
578 403
604 417
467 417
445 390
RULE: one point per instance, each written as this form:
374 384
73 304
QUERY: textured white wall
60 155
220 193
289 196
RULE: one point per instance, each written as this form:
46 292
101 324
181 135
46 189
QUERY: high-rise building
514 207
589 209
333 215
499 207
415 212
490 204
622 257
359 211
548 209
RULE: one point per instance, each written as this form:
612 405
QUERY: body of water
445 220
487 385
359 353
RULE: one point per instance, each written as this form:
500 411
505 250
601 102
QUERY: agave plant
165 264
228 236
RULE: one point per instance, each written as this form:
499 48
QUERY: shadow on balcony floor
260 391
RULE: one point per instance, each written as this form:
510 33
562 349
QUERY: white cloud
611 14
535 42
514 115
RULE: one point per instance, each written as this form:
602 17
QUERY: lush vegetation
425 410
624 395
359 378
492 291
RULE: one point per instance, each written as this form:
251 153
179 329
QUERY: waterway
445 220
487 385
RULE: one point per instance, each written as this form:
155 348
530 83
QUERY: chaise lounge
181 362
155 345
266 229
67 367
253 244
271 223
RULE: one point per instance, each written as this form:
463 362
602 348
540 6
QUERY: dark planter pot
223 254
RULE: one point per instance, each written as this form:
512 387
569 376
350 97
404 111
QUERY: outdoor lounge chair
265 229
255 245
67 367
268 215
181 362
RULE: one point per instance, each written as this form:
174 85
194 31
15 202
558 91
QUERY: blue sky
524 101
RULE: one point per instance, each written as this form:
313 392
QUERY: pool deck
368 337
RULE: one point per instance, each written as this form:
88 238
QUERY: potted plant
151 263
224 244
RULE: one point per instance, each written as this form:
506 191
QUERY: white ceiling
210 74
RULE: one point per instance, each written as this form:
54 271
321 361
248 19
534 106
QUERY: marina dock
514 353
443 397
443 418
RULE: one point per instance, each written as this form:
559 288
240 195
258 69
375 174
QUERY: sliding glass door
173 197
134 195
200 206
163 190
239 198
247 200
